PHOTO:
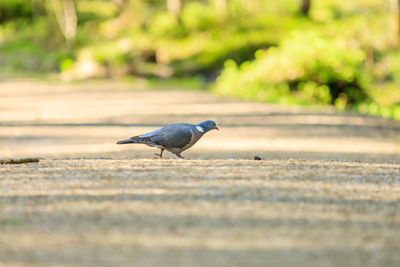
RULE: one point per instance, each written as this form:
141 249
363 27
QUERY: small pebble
257 157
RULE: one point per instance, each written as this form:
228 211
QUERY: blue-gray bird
174 138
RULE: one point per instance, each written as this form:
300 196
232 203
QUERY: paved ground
327 193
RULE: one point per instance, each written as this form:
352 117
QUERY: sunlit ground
327 193
50 120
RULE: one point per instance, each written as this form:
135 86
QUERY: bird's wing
171 136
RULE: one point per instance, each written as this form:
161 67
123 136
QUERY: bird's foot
159 154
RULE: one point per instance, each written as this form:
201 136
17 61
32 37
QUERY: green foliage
199 17
345 54
392 111
66 64
305 68
191 83
15 9
164 24
27 52
211 56
95 11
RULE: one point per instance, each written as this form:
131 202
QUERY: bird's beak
217 128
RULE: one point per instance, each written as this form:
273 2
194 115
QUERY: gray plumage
174 138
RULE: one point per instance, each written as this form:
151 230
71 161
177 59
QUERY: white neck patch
199 128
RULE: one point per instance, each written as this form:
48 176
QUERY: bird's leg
159 155
179 155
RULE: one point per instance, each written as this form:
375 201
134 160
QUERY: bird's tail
134 140
126 141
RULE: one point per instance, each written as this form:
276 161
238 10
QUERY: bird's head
208 125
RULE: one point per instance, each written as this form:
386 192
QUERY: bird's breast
195 137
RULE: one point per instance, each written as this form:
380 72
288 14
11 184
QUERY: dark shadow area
236 197
244 125
280 129
264 154
136 221
33 138
159 255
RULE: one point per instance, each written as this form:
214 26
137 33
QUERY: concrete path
327 193
51 120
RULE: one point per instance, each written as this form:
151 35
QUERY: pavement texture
327 192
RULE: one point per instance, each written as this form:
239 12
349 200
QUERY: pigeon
174 138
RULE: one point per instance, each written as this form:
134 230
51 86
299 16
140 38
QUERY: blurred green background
309 52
